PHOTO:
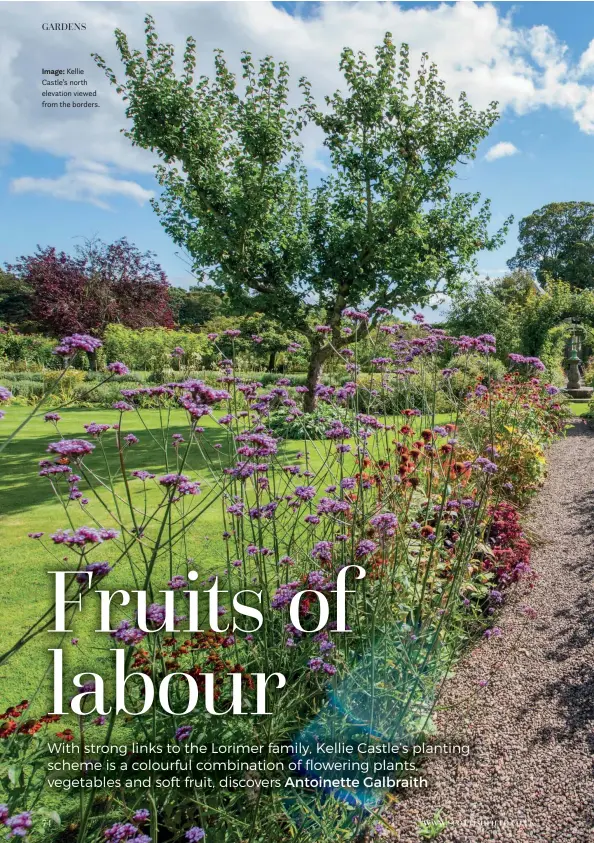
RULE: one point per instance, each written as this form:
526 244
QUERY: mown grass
578 409
28 504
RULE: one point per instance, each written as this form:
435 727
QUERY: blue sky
63 180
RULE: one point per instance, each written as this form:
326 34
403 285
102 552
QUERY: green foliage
15 300
588 355
86 388
554 351
386 222
133 377
389 395
262 344
27 389
14 377
104 395
472 368
177 296
284 423
199 306
65 386
493 306
520 318
545 312
268 378
414 391
150 348
27 351
384 225
194 307
234 189
431 829
557 241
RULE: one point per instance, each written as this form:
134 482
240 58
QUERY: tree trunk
314 371
271 361
92 355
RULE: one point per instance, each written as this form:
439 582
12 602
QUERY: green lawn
27 504
578 409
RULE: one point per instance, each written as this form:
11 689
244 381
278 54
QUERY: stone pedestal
575 384
574 379
583 392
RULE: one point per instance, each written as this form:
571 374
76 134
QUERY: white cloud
501 150
83 181
478 48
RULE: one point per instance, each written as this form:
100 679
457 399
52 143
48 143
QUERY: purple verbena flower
83 535
118 368
177 582
19 824
284 594
69 346
100 569
120 832
127 633
75 448
95 429
385 523
322 551
305 493
183 733
365 548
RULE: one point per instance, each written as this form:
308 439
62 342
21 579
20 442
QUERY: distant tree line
54 293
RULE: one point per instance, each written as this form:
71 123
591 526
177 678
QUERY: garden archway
548 322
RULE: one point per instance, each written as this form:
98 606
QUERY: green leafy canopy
557 242
385 227
384 223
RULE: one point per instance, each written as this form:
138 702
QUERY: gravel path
530 772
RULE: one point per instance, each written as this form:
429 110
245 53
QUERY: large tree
101 283
385 228
494 306
15 300
198 307
557 242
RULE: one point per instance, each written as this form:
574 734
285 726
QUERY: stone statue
575 383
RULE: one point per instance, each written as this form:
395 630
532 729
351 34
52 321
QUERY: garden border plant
428 510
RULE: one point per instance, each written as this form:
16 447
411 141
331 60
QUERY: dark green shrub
408 393
29 349
308 426
27 389
15 377
103 395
